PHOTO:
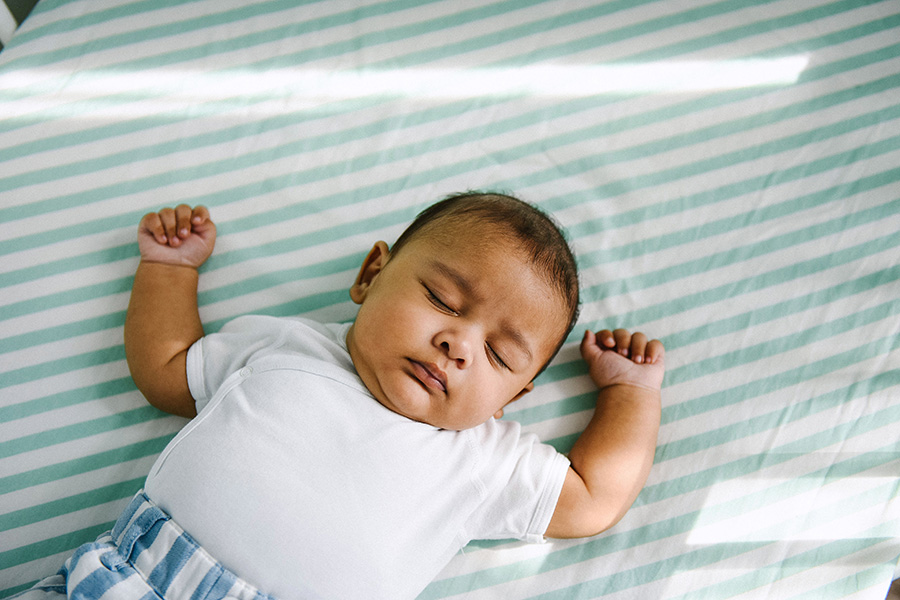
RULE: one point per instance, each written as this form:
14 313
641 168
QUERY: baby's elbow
168 396
174 404
587 521
581 513
602 519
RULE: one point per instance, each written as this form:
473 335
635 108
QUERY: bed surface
727 172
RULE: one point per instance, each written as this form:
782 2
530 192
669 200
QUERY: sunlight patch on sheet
551 81
279 91
850 507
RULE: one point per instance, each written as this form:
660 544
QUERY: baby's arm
612 458
163 320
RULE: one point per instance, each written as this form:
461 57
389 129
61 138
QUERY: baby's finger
638 345
199 215
167 218
183 220
655 351
152 224
623 341
605 338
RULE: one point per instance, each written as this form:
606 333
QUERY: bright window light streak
555 81
822 513
290 89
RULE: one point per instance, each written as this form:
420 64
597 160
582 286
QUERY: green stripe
783 345
731 159
757 316
754 216
116 320
840 469
55 545
788 487
22 341
62 365
846 222
873 577
76 431
291 308
58 24
840 433
71 263
115 353
792 306
77 466
16 589
819 368
185 27
718 436
686 46
607 37
70 397
753 283
587 401
762 576
70 504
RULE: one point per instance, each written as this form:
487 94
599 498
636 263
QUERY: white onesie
294 477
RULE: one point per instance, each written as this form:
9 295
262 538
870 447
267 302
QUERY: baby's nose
458 348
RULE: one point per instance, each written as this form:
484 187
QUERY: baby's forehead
486 245
490 242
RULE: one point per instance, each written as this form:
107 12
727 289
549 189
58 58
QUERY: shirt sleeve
213 358
522 479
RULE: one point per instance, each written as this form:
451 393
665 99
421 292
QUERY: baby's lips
430 375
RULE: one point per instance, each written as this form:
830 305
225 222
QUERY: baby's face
454 327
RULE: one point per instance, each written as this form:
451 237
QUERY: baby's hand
620 358
177 236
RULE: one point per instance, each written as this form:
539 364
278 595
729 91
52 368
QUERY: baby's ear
372 266
524 391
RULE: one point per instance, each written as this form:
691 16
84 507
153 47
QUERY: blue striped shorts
146 556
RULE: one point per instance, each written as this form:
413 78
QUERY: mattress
727 172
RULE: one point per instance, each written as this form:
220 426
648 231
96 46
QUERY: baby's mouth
430 375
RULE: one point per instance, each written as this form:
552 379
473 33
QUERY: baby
354 461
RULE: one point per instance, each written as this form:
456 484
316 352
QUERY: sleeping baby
354 460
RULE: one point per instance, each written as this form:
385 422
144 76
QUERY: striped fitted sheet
727 171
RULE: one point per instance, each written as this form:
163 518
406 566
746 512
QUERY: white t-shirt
294 477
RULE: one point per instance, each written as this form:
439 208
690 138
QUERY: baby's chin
416 404
438 422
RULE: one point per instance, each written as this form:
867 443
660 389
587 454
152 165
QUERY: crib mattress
727 172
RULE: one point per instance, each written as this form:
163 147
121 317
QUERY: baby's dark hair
533 229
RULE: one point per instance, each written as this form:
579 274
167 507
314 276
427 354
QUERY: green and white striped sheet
728 172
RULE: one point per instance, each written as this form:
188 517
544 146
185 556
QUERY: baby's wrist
164 263
632 386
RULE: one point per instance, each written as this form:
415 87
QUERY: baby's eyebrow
518 339
464 285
